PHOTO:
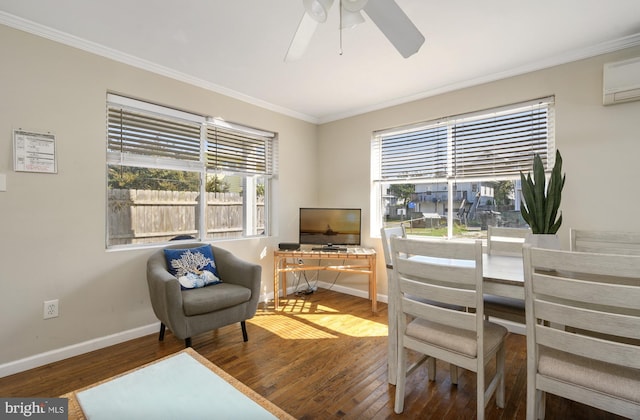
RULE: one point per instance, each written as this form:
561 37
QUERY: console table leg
373 287
276 287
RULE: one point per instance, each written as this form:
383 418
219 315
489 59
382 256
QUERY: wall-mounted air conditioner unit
621 81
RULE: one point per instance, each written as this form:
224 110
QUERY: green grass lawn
441 231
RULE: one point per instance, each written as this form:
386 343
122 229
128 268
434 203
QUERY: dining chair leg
533 397
542 400
187 342
431 368
500 356
481 395
453 374
401 379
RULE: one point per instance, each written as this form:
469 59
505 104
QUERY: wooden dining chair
603 242
429 276
505 241
386 233
583 329
392 340
606 242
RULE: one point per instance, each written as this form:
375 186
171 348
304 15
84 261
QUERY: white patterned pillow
193 267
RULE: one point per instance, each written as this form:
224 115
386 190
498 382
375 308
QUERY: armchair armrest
237 271
164 288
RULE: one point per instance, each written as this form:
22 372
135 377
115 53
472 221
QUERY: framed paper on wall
34 152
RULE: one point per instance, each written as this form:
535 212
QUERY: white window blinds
493 144
420 153
238 151
144 134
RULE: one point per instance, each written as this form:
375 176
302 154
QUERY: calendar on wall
34 152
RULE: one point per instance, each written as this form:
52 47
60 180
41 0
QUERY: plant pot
547 241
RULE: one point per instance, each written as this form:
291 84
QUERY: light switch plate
3 182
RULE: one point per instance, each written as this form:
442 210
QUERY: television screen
324 226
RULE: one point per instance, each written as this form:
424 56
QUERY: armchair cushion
212 299
193 267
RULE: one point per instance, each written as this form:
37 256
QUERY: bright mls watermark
34 408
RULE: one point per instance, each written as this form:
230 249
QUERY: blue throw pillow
193 267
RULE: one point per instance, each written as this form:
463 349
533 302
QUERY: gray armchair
194 311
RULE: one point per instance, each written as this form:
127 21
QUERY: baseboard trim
351 291
56 355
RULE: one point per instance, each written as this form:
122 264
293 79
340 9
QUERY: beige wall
52 230
52 227
600 145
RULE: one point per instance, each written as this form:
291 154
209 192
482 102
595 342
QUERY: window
173 173
455 176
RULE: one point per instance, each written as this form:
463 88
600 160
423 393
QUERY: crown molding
70 40
98 49
567 57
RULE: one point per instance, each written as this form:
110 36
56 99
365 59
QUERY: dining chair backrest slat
606 242
583 329
506 240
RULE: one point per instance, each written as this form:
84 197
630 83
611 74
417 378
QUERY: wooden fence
147 216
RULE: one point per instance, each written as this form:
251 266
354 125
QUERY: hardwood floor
322 356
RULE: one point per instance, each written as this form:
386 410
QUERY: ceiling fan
386 14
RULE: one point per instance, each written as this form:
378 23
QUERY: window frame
148 149
446 173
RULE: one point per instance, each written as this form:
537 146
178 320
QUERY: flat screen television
330 227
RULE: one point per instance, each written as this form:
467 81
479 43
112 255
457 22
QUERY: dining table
503 275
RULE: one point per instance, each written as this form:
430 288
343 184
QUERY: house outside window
457 175
173 174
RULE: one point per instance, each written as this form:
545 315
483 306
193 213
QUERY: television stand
351 261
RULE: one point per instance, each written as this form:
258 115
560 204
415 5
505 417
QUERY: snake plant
540 207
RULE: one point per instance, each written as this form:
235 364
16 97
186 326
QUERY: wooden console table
365 263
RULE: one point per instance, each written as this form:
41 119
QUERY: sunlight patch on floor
296 306
346 324
289 328
299 317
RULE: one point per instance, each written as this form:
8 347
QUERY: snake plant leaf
541 200
554 194
554 197
527 194
554 228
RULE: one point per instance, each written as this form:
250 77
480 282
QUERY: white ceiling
237 47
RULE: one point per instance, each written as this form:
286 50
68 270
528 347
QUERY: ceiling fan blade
302 37
395 25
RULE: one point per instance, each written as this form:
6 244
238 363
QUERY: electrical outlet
50 308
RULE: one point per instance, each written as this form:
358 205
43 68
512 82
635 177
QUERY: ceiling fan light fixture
318 9
354 5
350 19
